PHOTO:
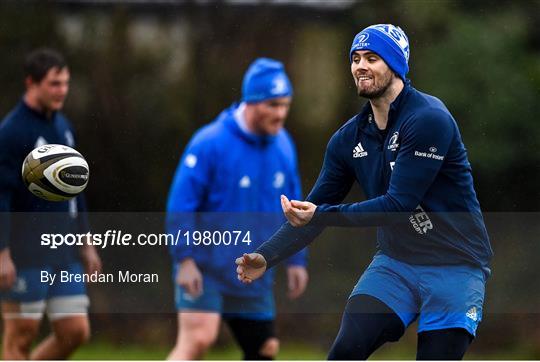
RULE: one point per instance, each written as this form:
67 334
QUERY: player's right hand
250 267
8 273
190 277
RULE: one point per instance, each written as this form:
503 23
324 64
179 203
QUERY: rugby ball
55 172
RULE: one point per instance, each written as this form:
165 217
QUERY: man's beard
377 90
47 106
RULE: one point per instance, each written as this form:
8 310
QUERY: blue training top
23 216
229 180
418 182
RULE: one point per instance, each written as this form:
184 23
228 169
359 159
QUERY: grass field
394 351
132 352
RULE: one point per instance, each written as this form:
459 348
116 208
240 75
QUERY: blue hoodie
418 184
227 180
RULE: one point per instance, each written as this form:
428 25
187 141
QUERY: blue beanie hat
265 79
389 42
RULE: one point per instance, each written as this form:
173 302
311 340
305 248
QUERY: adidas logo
472 314
359 151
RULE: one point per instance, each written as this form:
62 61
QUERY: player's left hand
8 272
297 278
250 267
90 259
298 213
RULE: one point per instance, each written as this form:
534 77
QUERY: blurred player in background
240 163
406 152
36 120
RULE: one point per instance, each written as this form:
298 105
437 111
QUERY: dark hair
40 61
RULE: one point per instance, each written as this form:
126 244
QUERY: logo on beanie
361 41
397 35
279 86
